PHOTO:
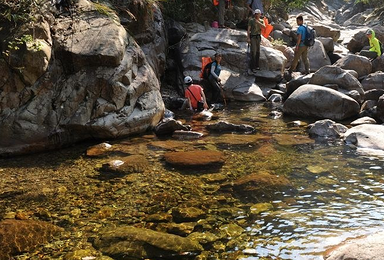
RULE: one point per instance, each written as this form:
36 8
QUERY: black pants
255 51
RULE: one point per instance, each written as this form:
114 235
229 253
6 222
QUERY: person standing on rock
195 97
374 43
253 5
214 78
254 38
301 50
223 4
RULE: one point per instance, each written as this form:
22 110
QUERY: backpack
215 2
206 65
310 35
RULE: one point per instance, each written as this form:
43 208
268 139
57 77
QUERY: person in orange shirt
195 97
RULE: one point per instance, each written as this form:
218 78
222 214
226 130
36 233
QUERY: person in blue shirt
252 5
214 78
301 50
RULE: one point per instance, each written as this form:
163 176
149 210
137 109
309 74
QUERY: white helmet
188 80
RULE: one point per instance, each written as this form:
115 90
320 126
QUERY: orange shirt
196 91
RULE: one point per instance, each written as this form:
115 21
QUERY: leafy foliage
375 3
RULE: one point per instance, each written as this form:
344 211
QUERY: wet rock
362 65
326 128
296 123
85 254
198 159
126 242
203 238
369 247
130 164
224 126
231 230
186 135
182 229
258 185
275 114
159 217
366 136
275 98
168 125
363 120
17 236
259 208
214 177
319 102
98 150
187 214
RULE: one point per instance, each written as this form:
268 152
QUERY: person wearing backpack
253 5
195 97
255 25
301 50
375 46
214 78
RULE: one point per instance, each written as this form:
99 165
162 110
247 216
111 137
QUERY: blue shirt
215 70
303 31
256 5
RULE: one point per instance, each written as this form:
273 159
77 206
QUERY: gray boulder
326 128
320 102
366 136
362 65
363 120
373 94
328 43
317 56
358 41
378 64
248 91
336 75
168 125
380 108
327 31
373 81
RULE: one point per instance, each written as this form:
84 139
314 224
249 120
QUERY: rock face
320 102
17 236
100 88
366 136
370 247
138 243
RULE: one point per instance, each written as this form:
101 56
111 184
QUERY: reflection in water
339 191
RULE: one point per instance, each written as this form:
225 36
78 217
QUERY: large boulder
128 242
358 41
373 81
320 102
317 56
380 109
378 64
362 65
327 31
339 76
98 85
366 136
328 43
233 46
365 248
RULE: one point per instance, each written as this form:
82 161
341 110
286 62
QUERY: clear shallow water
339 192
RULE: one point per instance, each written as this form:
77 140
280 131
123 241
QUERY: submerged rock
224 126
17 236
98 150
195 159
187 214
130 164
169 125
258 185
128 242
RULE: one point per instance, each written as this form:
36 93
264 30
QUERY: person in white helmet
195 97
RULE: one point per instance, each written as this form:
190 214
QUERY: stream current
339 191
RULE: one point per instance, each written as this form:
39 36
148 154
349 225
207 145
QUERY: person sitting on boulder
374 43
195 97
254 38
214 78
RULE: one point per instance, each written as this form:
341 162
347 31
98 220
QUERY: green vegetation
19 12
375 3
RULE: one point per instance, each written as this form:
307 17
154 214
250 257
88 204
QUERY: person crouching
195 97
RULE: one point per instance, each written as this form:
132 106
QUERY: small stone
187 214
98 150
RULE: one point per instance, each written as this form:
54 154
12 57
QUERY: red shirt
196 91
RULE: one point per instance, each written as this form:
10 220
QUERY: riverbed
338 192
